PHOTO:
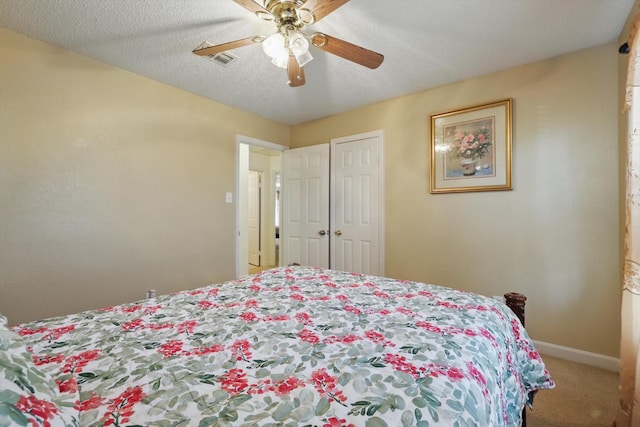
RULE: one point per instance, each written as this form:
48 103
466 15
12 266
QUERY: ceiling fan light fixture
298 44
300 48
281 61
277 47
304 58
274 46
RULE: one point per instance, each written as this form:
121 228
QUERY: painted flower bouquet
471 145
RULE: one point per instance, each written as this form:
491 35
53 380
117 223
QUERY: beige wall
110 183
554 237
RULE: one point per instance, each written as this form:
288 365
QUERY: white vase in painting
468 165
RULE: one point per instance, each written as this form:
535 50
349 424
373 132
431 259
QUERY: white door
357 204
305 206
253 220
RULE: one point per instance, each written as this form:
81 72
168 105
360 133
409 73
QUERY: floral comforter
292 346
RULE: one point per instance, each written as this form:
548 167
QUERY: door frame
381 205
242 167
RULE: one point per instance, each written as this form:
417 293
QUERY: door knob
322 232
338 233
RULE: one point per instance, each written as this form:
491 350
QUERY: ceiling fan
289 47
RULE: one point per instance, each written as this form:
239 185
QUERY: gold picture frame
470 149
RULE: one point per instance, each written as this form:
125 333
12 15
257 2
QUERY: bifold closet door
356 188
344 231
305 206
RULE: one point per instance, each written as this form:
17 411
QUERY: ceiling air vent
221 58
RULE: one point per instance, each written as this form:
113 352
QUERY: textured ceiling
426 43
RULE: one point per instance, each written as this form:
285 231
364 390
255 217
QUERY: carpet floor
584 396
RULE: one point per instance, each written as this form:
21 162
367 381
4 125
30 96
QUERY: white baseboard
579 356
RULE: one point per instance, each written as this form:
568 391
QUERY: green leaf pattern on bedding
28 395
294 346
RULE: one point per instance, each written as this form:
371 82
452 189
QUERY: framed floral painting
470 149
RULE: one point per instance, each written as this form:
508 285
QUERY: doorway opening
265 158
254 219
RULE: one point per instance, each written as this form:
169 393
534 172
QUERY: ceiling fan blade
212 50
346 50
319 8
255 8
295 72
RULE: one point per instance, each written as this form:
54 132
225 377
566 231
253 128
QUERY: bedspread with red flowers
294 346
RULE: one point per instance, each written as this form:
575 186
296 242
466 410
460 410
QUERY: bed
291 346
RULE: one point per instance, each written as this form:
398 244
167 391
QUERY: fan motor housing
289 12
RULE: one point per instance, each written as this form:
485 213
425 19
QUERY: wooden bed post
516 303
